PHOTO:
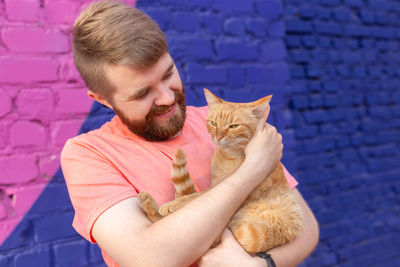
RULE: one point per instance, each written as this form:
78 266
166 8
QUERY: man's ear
99 98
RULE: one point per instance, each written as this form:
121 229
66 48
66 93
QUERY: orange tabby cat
270 216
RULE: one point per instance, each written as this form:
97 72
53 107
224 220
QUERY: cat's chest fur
223 165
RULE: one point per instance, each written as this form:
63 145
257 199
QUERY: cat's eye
213 123
234 126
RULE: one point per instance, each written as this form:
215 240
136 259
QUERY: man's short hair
110 32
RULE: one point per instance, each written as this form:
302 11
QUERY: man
123 57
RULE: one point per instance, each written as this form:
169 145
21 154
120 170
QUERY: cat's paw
166 209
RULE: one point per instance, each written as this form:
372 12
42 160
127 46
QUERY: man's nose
166 96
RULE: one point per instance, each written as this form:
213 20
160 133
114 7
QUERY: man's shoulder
197 112
87 138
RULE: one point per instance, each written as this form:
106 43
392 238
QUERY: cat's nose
219 138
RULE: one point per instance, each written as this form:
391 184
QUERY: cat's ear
211 98
260 108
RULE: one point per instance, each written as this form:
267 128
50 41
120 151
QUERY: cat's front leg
176 204
149 206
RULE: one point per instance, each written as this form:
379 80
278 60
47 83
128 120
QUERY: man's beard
149 129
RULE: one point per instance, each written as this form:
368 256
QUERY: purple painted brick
36 103
29 69
23 10
19 137
5 103
40 40
11 171
60 12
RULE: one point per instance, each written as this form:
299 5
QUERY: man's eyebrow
144 89
170 67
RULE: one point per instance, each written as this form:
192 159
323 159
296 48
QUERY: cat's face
233 124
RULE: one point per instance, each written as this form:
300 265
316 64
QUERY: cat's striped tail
180 175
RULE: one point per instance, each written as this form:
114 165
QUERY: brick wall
333 75
344 64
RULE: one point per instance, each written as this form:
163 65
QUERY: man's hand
264 150
229 253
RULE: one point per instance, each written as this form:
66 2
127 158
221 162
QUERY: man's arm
230 252
293 253
179 239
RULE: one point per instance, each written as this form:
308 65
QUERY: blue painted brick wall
333 67
343 60
234 48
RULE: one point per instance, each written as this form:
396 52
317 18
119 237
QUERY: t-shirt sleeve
289 178
93 183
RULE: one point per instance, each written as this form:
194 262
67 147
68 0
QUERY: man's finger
226 235
261 123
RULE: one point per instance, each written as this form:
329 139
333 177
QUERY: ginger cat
270 216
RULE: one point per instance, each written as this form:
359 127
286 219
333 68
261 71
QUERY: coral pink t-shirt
111 164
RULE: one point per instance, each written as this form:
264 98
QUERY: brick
212 23
299 102
354 3
316 116
11 171
199 49
40 40
71 253
53 227
257 27
276 29
236 50
63 130
272 9
300 56
185 21
280 73
341 15
228 6
328 28
36 103
198 74
258 74
20 138
3 137
234 26
60 12
306 132
23 10
236 77
28 70
307 13
5 103
48 165
72 101
313 71
40 256
273 51
298 26
329 2
309 41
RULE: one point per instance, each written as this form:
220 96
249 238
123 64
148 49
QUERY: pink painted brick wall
43 101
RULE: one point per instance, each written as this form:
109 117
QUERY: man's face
150 103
